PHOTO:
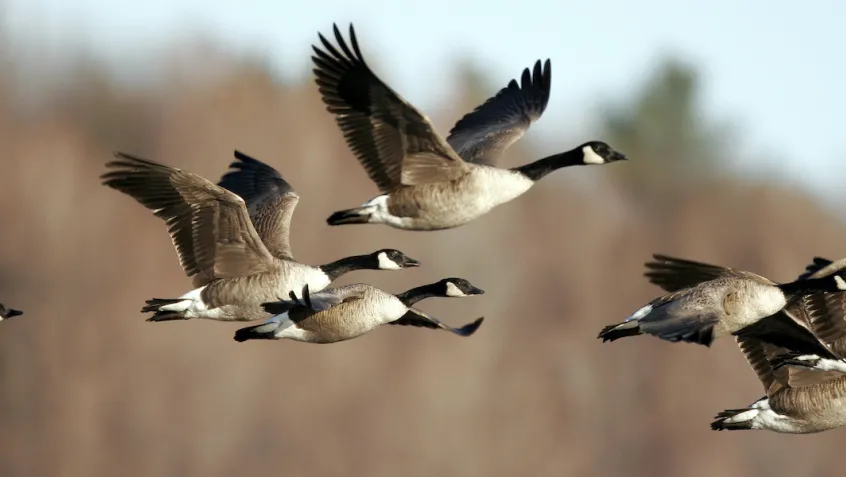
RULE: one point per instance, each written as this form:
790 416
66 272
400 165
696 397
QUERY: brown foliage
89 388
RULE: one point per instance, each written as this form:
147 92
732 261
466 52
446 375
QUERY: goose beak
617 156
410 262
475 291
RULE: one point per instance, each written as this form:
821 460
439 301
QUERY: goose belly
349 320
447 205
240 299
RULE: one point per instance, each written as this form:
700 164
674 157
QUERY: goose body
723 302
343 313
812 326
8 312
231 238
428 182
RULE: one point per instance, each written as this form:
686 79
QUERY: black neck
414 295
347 264
811 285
540 168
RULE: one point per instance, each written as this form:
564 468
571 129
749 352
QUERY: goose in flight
721 301
231 238
429 183
343 313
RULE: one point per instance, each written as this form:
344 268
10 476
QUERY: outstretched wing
415 317
270 201
209 225
672 273
396 143
482 135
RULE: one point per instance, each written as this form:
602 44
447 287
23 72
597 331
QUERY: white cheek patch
452 290
386 263
591 157
841 284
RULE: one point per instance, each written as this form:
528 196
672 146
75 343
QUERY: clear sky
774 68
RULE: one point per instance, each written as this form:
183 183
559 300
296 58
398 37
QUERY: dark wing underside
482 135
270 201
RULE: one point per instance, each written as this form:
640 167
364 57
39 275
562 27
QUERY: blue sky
774 68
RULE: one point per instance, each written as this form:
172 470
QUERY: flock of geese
232 239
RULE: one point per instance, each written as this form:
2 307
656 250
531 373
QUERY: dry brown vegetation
89 388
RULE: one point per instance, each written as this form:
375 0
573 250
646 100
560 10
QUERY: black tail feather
153 304
167 316
720 423
620 330
263 331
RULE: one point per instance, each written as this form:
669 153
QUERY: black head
458 287
597 152
390 259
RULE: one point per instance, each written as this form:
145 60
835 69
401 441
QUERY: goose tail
264 331
164 310
620 330
742 419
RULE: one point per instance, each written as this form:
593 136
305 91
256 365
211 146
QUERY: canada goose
429 183
338 314
235 265
8 312
818 320
797 401
728 301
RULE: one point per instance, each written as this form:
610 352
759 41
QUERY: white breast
493 186
763 301
297 275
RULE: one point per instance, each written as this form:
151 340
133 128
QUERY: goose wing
415 317
270 201
673 273
826 318
320 301
824 314
483 134
396 143
760 354
209 225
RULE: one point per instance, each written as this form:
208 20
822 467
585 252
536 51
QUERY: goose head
391 259
457 287
598 152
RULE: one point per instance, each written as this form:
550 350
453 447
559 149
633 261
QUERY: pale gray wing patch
482 135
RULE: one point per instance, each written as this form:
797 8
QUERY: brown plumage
429 183
218 244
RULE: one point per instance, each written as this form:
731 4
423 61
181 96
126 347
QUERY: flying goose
818 318
343 313
725 302
797 401
429 183
8 312
238 258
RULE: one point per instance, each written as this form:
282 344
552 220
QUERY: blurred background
731 113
